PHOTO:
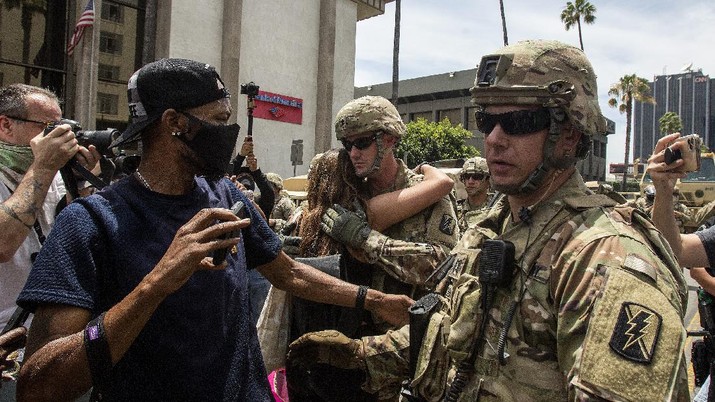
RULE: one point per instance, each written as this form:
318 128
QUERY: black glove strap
360 299
97 349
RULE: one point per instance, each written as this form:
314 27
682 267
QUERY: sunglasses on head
514 123
361 143
473 176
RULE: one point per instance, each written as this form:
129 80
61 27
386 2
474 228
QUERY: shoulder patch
446 224
636 333
581 202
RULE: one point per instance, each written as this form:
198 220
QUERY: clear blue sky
645 37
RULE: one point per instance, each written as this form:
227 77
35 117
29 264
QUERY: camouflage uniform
595 307
600 316
465 209
409 251
282 211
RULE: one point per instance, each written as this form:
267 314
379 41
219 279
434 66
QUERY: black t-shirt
199 344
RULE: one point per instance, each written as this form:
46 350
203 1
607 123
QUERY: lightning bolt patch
636 333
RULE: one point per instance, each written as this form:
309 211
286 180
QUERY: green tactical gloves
347 227
290 244
327 347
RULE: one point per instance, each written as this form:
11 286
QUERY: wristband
97 349
360 299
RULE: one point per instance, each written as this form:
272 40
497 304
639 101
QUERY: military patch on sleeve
636 333
446 225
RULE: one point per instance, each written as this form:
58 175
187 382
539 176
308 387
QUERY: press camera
115 161
250 89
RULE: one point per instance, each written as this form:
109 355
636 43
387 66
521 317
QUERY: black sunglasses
473 176
361 143
514 123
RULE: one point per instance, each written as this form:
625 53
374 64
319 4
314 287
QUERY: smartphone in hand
689 152
238 209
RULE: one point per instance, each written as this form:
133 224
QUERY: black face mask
213 144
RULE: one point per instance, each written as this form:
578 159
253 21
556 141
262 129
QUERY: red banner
278 107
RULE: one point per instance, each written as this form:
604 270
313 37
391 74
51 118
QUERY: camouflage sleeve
387 361
620 331
413 262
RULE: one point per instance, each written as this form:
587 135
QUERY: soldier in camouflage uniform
407 253
475 176
591 305
284 206
645 203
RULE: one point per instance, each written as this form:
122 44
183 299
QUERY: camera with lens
250 89
687 149
101 139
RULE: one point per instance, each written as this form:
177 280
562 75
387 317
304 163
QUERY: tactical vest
532 370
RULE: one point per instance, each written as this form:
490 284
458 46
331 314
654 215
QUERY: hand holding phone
219 256
688 150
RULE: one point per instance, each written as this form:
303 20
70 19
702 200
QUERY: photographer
30 186
267 198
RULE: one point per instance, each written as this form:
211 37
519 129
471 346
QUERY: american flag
85 20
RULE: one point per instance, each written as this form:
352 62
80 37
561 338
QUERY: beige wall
278 51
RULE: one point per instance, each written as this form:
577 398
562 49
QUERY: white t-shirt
13 273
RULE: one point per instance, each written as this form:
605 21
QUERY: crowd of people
380 286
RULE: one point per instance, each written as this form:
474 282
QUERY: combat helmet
475 165
650 192
275 179
546 73
549 74
369 113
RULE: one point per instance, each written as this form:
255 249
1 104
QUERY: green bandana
15 160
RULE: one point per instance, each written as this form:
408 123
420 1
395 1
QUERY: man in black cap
126 296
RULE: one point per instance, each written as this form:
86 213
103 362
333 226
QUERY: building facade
301 54
690 95
447 95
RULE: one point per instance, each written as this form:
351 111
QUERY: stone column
325 78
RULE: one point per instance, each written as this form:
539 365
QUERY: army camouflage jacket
282 211
466 213
597 300
409 251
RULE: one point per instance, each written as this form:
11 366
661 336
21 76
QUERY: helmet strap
380 155
536 178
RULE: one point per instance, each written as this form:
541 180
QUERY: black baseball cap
168 84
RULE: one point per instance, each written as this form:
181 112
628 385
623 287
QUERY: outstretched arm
388 209
688 248
309 283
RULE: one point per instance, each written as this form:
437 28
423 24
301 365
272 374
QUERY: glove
327 347
347 227
291 244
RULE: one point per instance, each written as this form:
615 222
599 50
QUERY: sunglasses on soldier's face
514 123
473 176
361 143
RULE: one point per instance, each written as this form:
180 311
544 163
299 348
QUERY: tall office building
690 95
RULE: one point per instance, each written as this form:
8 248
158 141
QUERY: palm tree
503 22
396 54
670 123
623 93
575 12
